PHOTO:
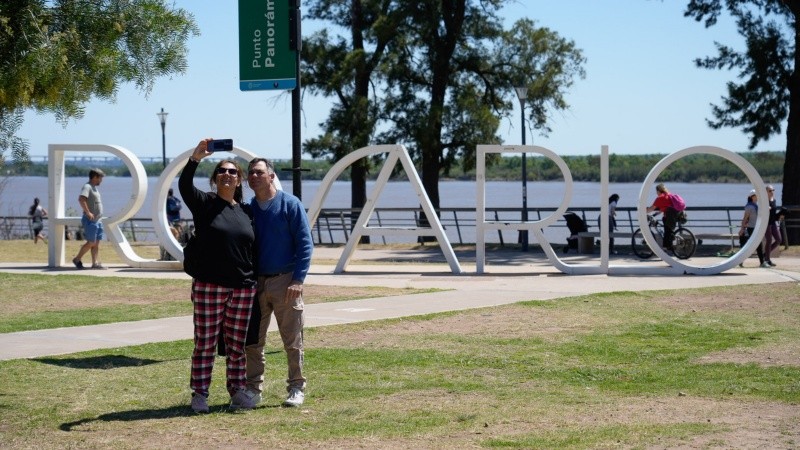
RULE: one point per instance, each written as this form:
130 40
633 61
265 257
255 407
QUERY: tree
56 55
346 68
769 90
451 75
441 74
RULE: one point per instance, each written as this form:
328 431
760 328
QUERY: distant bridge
95 160
105 161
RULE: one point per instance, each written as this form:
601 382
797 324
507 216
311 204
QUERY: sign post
267 61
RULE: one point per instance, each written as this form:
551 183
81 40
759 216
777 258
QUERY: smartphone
220 145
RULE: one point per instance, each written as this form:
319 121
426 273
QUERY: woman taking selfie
223 280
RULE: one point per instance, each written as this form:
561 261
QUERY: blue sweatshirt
283 237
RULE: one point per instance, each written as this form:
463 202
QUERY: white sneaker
296 398
765 265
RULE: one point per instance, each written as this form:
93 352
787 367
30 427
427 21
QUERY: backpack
677 202
192 257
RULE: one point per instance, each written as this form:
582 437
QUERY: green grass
37 302
560 382
94 316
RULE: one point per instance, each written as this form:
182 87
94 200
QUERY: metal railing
715 224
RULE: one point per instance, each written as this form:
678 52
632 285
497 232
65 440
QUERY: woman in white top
749 225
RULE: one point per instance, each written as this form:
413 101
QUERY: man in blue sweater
283 256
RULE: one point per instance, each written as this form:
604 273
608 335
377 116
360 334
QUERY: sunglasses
231 171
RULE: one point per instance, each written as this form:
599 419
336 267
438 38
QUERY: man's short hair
267 162
96 173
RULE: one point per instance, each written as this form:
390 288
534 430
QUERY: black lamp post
162 117
522 94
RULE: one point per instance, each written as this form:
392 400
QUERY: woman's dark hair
238 194
33 206
613 198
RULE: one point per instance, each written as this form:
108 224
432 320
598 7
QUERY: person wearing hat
749 224
773 235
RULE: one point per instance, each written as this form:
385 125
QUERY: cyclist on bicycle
663 203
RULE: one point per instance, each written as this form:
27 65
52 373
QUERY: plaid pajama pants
218 308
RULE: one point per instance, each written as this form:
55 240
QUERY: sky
642 92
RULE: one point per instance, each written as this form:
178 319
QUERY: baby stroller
575 225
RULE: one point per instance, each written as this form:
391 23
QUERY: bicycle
684 243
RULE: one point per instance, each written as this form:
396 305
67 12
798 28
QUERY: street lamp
162 117
522 94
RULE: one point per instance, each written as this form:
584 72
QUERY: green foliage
436 76
451 79
634 168
767 91
347 69
56 56
759 103
622 168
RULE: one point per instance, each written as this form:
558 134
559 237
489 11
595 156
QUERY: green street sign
266 60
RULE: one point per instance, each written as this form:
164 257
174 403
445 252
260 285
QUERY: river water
18 194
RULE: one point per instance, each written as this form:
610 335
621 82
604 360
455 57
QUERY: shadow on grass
139 414
150 414
98 362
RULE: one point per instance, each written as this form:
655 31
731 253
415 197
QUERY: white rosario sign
395 154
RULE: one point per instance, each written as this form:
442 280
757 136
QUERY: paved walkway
509 277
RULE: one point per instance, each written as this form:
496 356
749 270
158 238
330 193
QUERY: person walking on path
91 220
283 247
612 221
773 234
223 276
663 203
37 214
749 224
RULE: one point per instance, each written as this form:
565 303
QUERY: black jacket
224 234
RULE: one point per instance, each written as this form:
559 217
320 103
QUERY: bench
733 237
586 239
596 234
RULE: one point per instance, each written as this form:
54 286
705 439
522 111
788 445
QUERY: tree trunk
791 165
358 191
358 138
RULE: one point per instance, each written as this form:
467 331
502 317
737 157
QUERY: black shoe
77 263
